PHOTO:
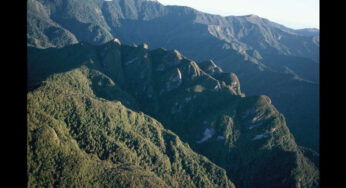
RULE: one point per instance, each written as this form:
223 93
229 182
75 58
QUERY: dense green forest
268 58
117 115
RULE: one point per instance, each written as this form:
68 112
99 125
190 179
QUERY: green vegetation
267 57
76 138
98 103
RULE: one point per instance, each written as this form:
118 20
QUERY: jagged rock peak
209 62
212 62
178 54
210 67
116 40
144 45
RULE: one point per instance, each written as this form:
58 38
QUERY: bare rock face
117 41
145 46
174 81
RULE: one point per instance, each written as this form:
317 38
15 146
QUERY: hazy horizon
295 14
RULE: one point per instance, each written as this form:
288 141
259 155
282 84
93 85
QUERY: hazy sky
295 14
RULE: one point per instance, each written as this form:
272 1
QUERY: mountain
267 57
79 139
114 106
309 31
245 34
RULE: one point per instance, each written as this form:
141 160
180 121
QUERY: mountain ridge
103 143
174 90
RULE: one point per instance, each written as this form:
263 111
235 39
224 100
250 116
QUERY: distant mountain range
104 115
267 57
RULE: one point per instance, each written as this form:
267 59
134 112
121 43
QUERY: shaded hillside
200 103
106 18
77 138
262 53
